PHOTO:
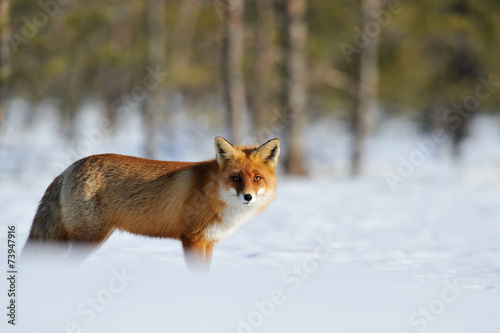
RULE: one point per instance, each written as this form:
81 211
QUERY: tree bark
368 85
261 89
232 68
182 35
295 87
4 56
156 49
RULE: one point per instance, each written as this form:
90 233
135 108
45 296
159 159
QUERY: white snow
330 254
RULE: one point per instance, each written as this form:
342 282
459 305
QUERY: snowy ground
331 254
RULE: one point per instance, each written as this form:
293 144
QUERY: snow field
332 253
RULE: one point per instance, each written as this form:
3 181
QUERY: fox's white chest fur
234 215
232 218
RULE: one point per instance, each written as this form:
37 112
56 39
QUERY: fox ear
269 152
224 150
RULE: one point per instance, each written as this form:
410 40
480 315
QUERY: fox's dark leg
197 254
82 248
194 253
48 251
208 253
80 251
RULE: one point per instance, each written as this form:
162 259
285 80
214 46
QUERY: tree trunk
367 90
155 103
182 35
232 68
261 90
295 87
4 56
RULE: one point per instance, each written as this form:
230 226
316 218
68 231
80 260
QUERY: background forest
251 64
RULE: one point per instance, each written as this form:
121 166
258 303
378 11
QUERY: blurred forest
436 62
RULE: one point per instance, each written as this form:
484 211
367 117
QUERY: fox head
247 173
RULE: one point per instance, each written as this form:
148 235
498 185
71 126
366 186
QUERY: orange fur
191 202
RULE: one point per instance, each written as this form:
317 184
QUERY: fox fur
198 203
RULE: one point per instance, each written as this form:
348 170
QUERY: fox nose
247 197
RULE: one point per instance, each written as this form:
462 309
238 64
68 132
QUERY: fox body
196 203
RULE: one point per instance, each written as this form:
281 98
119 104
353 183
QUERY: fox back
197 203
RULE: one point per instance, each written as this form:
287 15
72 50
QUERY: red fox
197 203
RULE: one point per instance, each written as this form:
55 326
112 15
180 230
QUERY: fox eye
237 179
257 179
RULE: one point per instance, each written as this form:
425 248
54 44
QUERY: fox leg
208 253
80 251
198 255
84 247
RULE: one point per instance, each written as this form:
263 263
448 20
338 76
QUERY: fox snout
247 198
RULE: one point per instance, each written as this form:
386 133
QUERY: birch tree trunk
261 89
295 86
156 55
368 85
232 67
